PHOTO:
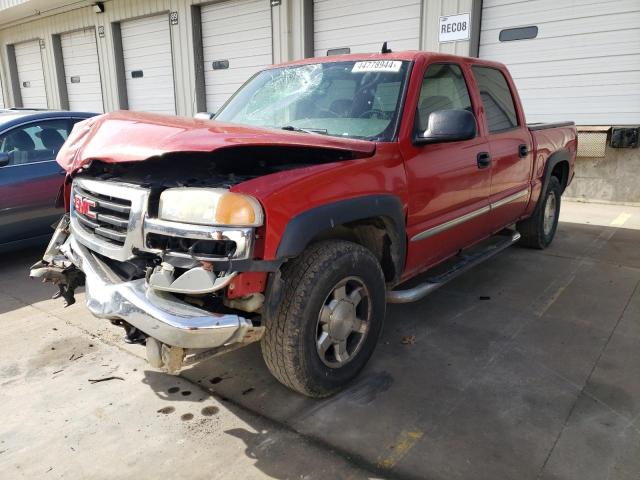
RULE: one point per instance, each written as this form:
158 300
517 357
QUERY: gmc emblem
83 205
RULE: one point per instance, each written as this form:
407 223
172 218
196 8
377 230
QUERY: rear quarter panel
545 143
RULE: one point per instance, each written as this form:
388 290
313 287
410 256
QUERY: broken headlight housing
210 206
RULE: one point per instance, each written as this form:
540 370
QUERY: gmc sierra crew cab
321 187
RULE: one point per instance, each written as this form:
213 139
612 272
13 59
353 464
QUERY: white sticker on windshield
377 66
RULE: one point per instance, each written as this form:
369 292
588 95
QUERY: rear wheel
538 230
328 323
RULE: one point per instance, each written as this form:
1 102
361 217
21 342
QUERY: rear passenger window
443 88
496 97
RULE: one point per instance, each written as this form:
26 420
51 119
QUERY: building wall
613 178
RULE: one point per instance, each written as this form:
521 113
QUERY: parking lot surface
526 367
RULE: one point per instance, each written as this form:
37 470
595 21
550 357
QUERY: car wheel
538 230
329 319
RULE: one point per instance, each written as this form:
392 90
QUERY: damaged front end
164 281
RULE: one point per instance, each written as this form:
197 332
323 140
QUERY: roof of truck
405 55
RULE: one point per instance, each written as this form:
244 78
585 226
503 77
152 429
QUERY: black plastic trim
303 228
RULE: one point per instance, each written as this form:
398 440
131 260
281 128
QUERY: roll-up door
82 73
356 26
30 74
236 42
148 65
576 60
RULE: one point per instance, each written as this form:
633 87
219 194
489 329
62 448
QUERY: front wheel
538 230
329 320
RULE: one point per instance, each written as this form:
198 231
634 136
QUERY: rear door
30 183
448 187
510 145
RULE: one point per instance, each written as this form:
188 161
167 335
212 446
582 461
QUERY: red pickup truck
320 188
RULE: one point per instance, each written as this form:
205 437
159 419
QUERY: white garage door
82 74
583 65
146 46
363 25
30 75
236 39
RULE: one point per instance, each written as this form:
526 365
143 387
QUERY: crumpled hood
125 136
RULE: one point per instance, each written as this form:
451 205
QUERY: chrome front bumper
157 314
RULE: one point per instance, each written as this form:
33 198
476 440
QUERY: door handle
483 159
523 150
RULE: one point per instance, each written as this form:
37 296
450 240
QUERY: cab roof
406 55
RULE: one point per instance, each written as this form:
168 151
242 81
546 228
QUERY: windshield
357 99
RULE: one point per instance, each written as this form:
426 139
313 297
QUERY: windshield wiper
291 128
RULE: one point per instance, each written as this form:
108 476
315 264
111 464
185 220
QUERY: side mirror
448 126
4 159
204 115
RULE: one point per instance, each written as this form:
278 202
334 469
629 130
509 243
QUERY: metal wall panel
584 65
82 71
363 25
238 32
148 65
30 74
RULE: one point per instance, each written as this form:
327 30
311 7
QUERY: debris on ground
409 340
105 379
485 297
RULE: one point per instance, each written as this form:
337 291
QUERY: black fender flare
554 159
305 226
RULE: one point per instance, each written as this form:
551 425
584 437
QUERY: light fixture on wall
98 7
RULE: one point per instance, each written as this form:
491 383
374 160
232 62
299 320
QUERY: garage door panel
384 18
330 8
80 60
146 47
548 51
238 31
360 39
258 35
608 79
589 28
30 74
541 11
363 26
569 68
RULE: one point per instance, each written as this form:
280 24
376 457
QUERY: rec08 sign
454 28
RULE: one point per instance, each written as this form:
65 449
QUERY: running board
466 262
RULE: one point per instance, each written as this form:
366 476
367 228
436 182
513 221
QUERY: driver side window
443 88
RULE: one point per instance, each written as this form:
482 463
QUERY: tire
535 231
303 344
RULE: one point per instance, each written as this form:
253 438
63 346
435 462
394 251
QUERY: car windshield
357 99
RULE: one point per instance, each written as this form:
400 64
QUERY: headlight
209 206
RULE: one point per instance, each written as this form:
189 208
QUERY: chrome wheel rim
343 322
549 213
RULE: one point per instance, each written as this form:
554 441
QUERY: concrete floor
526 367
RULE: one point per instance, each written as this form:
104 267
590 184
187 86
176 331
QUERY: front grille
102 215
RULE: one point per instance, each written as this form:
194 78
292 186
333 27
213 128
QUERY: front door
448 182
31 181
510 143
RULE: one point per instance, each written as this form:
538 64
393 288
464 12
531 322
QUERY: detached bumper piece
177 333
